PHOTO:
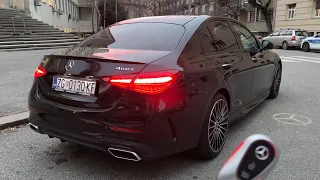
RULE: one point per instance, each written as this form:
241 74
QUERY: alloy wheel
285 45
218 125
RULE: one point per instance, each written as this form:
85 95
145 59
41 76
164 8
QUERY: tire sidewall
204 143
285 47
306 47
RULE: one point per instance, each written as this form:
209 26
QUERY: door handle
226 66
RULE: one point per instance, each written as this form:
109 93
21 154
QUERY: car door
282 37
232 62
271 38
263 67
275 39
314 42
317 42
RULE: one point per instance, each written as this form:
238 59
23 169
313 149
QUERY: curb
14 120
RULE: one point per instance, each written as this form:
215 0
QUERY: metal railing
13 25
23 15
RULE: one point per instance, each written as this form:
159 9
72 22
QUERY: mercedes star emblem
69 65
262 153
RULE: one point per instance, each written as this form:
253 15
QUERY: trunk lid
93 65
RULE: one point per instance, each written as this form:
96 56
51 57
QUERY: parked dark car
150 87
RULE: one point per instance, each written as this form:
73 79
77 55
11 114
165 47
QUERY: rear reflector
120 129
149 83
40 71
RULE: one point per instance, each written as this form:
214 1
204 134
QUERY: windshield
302 33
142 36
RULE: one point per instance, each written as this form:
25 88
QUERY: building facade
71 15
248 15
299 14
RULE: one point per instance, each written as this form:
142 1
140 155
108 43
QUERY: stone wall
15 4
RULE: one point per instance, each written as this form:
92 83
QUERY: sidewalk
13 120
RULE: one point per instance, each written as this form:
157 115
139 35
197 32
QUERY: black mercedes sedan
150 87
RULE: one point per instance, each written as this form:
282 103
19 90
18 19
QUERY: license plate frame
76 83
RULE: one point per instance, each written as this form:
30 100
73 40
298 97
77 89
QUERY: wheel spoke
226 123
210 135
221 127
217 132
224 136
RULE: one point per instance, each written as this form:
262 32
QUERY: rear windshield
302 33
142 36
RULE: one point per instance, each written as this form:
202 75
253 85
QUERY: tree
111 16
157 7
231 8
263 6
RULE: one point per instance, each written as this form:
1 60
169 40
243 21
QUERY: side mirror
267 45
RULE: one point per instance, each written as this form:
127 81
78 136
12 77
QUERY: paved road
28 155
16 72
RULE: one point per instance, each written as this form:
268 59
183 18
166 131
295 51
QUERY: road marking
305 57
284 60
293 58
292 119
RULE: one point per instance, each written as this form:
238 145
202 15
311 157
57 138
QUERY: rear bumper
102 144
163 134
294 44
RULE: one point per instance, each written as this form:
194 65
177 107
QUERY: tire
214 130
285 45
274 90
306 47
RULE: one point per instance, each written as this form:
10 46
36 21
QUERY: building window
317 13
262 17
252 15
291 11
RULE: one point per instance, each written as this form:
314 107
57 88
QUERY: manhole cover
293 119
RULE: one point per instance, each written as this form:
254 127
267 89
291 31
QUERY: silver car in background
287 38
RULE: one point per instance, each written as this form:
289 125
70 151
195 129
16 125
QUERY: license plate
75 86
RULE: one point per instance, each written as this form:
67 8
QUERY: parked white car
311 43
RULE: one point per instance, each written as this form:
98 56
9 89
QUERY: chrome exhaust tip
124 154
34 127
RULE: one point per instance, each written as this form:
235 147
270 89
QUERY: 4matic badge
124 69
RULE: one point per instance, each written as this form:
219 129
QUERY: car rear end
297 37
108 93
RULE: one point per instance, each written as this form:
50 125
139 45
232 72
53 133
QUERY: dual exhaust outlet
115 152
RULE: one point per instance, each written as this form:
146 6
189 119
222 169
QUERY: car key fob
254 158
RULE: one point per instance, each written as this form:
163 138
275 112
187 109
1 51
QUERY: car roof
172 19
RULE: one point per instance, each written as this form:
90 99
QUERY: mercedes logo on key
69 65
262 153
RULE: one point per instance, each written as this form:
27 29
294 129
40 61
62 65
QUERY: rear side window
302 33
289 33
283 33
208 45
275 34
142 36
222 36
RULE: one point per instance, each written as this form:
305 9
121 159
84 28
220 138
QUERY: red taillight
149 83
259 38
40 71
293 38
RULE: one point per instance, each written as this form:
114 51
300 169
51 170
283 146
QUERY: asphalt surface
16 73
28 155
